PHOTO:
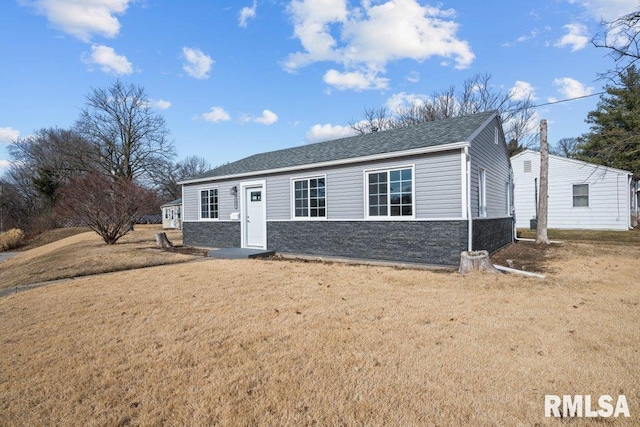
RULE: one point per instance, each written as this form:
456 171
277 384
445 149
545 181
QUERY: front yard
282 342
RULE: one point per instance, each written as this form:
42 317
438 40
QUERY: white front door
254 217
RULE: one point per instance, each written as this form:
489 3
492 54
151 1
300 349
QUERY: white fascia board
482 126
339 162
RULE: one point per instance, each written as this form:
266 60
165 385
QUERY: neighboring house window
496 136
527 166
580 195
482 193
310 198
391 193
209 203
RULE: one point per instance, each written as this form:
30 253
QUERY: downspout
469 217
630 199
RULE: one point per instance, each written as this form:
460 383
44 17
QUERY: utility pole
1 201
543 203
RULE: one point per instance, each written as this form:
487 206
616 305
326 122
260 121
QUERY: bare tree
166 178
620 37
373 121
105 205
50 158
566 147
129 139
477 95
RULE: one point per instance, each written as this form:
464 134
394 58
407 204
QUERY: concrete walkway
7 255
239 253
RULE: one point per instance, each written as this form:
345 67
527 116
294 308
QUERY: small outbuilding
172 214
419 194
581 195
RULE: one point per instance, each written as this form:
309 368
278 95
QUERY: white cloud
355 80
248 13
608 9
576 37
532 35
570 88
319 133
108 60
8 135
217 114
82 19
371 36
267 118
161 104
413 77
522 90
198 63
402 100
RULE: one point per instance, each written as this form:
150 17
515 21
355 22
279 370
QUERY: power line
557 102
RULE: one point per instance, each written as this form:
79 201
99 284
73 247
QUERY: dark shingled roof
429 134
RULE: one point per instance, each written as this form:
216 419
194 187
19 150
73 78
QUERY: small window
580 195
310 198
496 136
390 193
209 203
527 166
256 196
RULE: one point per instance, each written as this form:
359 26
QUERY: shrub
11 239
105 205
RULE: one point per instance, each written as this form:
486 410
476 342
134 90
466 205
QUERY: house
419 194
171 213
581 195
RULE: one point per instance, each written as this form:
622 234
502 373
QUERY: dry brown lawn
291 343
85 254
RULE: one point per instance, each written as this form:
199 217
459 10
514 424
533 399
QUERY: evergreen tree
614 139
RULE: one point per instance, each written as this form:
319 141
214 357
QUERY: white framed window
209 203
580 195
527 166
390 193
482 193
309 197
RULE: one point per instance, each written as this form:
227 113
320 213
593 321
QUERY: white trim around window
383 205
216 203
309 198
580 193
482 193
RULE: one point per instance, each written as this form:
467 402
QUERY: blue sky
233 78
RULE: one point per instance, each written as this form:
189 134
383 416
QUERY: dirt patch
527 256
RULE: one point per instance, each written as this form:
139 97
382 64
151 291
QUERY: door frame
262 184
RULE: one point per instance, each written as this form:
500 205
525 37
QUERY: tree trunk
162 241
543 203
476 261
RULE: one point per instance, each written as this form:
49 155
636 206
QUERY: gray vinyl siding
438 190
191 199
437 182
494 159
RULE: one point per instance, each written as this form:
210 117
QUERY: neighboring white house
581 195
171 214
